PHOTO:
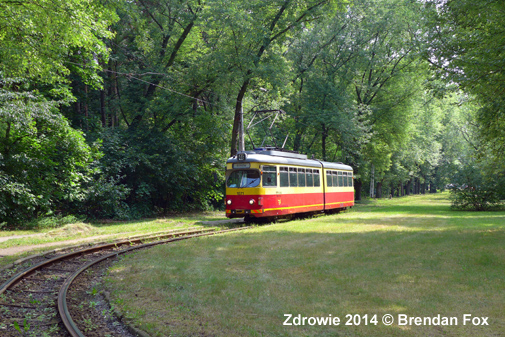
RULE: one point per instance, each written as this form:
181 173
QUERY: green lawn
410 256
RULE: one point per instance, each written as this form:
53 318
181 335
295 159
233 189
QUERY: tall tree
265 25
43 160
37 37
467 39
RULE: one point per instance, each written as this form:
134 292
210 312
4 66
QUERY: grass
409 256
106 230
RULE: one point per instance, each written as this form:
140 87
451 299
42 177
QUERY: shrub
480 198
478 185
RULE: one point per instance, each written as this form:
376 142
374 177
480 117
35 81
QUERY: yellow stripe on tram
303 206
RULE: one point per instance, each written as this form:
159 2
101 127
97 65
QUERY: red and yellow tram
269 183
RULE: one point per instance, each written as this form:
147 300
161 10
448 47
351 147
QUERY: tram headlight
251 202
228 201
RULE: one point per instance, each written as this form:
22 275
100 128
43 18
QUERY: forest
116 109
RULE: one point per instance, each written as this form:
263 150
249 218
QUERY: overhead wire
297 118
130 75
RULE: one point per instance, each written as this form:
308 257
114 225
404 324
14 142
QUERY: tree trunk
110 93
77 106
323 143
102 108
299 128
236 121
379 190
357 189
433 187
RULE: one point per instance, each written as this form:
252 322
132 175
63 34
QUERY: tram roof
286 158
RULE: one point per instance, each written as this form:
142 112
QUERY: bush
481 198
17 201
53 221
144 172
477 185
106 199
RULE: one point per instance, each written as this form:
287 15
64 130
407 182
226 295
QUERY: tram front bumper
237 213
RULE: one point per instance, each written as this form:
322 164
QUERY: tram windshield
243 178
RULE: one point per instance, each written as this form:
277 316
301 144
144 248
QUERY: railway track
38 300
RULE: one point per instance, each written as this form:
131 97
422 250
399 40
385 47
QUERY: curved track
34 301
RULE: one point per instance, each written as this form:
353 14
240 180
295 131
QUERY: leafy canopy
38 36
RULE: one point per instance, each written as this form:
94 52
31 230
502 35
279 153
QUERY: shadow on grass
425 210
411 209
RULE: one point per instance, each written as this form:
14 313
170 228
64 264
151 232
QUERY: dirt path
5 238
21 249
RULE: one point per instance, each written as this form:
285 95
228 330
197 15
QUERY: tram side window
349 177
293 182
301 177
269 176
284 176
340 180
317 178
329 179
335 178
345 178
310 181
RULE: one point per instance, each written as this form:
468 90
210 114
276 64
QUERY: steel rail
17 277
62 295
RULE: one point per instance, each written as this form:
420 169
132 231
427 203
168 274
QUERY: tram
273 183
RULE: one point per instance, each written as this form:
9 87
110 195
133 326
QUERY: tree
466 39
43 161
37 38
263 28
320 103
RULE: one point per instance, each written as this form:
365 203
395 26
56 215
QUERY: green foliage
145 172
155 87
105 198
479 198
42 159
467 165
17 202
55 221
474 191
467 39
37 37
